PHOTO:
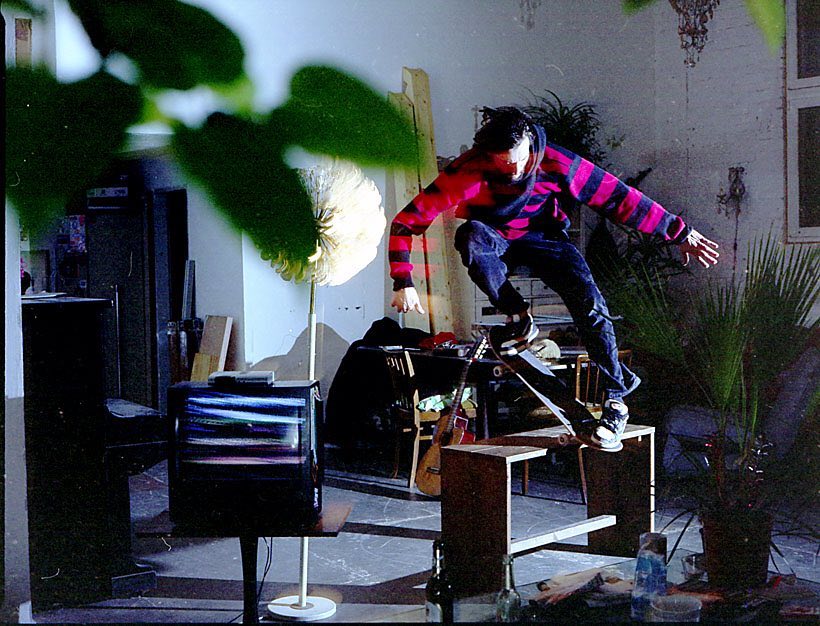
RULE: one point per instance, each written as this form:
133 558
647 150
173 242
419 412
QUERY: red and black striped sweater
534 203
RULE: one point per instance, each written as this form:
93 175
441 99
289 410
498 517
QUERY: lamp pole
304 607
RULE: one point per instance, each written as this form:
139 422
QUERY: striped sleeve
448 189
612 198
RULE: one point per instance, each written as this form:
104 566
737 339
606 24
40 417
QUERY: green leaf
770 17
60 137
23 6
633 6
175 45
330 112
241 167
239 94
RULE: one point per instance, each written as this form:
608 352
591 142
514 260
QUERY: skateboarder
511 187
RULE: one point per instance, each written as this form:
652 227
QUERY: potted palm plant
728 348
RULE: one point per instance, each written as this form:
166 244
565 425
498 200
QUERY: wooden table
439 372
476 502
333 517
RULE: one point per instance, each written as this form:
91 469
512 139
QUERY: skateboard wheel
498 371
563 440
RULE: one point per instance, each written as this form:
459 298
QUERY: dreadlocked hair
502 128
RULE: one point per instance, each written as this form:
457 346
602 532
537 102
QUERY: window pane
808 155
808 38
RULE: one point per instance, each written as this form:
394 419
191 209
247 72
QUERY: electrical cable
266 569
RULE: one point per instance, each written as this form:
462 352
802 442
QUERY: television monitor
244 457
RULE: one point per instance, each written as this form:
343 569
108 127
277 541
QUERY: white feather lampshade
347 207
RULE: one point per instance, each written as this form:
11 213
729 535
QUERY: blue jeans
487 257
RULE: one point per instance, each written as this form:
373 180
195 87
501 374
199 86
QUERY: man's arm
622 204
448 189
407 299
702 249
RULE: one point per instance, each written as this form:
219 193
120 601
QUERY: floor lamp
351 224
303 607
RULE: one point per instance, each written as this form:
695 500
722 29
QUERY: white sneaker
611 428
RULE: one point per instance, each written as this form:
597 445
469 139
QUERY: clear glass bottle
650 575
439 591
508 600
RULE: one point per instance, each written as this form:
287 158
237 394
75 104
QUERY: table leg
623 485
249 545
483 408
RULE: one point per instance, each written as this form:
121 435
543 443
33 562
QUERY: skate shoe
611 427
515 336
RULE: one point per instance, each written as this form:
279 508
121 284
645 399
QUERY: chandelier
692 18
527 9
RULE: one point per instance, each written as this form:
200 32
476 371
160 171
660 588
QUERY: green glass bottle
439 592
508 601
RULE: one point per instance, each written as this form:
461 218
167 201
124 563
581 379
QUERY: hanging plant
573 127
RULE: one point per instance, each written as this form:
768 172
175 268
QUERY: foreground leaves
769 15
174 45
59 138
62 136
239 163
330 112
633 6
24 6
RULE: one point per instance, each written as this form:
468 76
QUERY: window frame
800 93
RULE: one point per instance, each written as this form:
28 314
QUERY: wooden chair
588 383
589 390
404 413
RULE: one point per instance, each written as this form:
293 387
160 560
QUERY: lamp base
315 608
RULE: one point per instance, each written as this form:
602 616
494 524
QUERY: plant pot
736 544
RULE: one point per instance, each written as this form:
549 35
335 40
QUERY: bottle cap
654 542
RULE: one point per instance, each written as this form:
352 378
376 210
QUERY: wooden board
416 85
22 42
215 337
402 187
204 365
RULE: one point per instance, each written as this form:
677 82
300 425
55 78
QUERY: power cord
268 562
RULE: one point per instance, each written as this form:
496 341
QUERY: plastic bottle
650 574
508 600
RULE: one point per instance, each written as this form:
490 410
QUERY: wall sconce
731 200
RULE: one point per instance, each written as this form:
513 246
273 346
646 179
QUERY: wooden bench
476 502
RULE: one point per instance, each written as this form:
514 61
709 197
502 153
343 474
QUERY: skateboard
554 394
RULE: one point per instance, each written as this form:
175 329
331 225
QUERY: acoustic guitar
451 429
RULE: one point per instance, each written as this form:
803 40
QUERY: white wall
725 112
475 53
217 250
689 125
16 605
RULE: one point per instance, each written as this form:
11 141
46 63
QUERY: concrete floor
375 570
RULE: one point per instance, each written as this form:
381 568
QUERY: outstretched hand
700 248
407 299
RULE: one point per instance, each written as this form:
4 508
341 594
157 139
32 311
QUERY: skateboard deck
555 395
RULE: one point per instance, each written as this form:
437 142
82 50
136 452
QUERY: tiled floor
375 570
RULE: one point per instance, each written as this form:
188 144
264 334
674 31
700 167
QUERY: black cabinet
78 507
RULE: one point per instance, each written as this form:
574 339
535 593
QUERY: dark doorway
137 242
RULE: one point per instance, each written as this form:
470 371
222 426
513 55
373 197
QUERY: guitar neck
458 396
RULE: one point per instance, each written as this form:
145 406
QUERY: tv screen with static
244 455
